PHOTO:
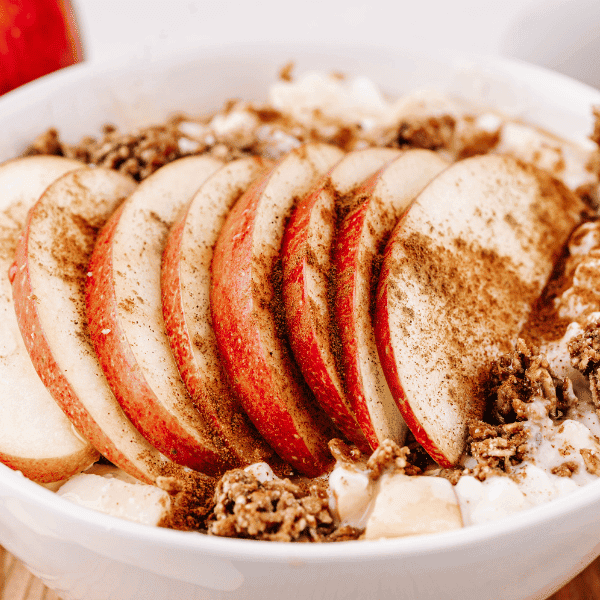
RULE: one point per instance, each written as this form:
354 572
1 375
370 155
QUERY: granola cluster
136 154
496 448
515 381
275 510
461 139
585 357
388 456
521 376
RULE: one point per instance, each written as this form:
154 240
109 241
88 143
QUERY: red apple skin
214 399
347 246
386 356
37 37
298 315
49 470
137 399
298 434
48 370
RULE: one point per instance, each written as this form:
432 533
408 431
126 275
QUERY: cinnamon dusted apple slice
126 323
248 313
459 276
49 279
360 241
186 280
306 257
36 437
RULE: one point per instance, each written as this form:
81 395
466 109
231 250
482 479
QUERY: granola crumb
567 469
591 459
470 139
595 136
452 475
285 73
432 133
344 453
346 533
46 143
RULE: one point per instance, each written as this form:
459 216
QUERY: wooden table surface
18 584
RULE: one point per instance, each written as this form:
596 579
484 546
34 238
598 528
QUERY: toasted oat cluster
519 377
388 456
585 349
515 381
496 447
275 510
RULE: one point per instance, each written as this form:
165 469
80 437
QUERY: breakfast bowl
84 554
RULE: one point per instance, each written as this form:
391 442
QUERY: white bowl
84 554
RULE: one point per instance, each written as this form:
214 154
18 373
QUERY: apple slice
186 280
459 276
49 278
36 437
306 257
248 317
126 323
360 241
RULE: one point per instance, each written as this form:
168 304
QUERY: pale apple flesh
126 324
361 238
458 280
307 286
36 437
185 281
247 312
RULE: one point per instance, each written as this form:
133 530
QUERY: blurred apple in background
37 37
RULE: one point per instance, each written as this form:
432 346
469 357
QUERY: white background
561 34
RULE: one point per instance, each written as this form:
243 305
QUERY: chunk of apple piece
458 280
125 318
186 276
307 287
36 437
360 241
247 310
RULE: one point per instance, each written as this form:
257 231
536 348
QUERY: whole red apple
37 37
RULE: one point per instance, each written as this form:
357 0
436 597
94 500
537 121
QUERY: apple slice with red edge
306 256
248 314
458 280
126 324
49 279
360 241
185 281
36 437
